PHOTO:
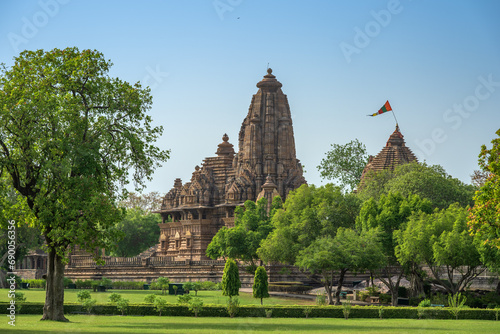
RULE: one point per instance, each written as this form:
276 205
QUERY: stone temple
394 153
265 166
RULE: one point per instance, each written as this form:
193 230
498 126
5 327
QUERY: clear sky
437 62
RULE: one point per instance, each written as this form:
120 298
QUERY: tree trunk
339 286
328 290
54 294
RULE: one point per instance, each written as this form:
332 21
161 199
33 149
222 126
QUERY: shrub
385 298
208 285
150 299
188 286
425 303
456 303
19 298
307 311
88 304
106 282
381 312
122 305
346 309
269 312
195 305
66 281
34 283
196 287
320 299
114 298
160 304
94 285
83 295
233 304
183 299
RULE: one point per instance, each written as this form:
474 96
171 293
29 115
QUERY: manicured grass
137 297
128 324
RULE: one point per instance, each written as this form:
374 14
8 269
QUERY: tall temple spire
266 141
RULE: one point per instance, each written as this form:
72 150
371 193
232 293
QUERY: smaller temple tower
394 153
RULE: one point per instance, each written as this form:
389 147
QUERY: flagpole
393 114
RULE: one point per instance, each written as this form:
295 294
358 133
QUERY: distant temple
265 166
394 153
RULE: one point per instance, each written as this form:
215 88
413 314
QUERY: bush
88 304
66 281
150 299
183 299
122 305
83 295
188 286
160 304
195 305
233 304
208 285
114 298
425 303
106 282
385 298
20 300
320 299
257 311
34 283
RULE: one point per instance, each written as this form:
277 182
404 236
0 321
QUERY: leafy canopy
70 138
431 182
484 217
344 163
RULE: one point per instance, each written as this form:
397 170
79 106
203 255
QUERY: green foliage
150 299
88 304
208 285
308 213
160 304
231 279
455 303
260 284
71 139
425 303
122 305
162 283
252 225
83 295
140 231
269 313
344 163
346 308
381 312
20 299
441 241
188 286
184 299
197 286
484 220
430 182
233 305
35 283
321 299
114 298
195 305
348 250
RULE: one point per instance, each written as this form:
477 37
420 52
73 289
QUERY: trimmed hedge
277 311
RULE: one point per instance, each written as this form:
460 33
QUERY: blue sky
437 62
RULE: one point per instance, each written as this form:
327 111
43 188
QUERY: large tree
309 212
347 251
389 214
441 241
431 182
484 217
71 137
344 163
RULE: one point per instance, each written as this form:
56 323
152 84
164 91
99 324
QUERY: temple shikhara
394 153
264 166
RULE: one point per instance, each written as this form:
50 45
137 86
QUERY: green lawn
137 297
128 324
